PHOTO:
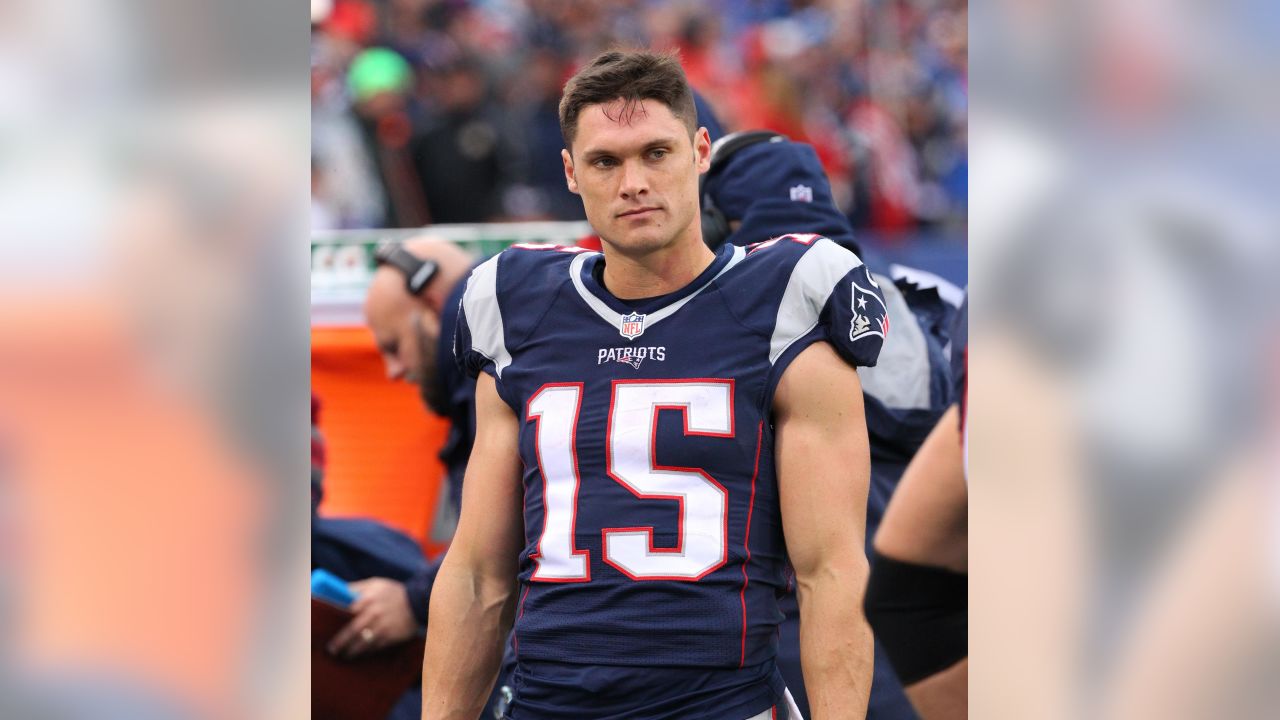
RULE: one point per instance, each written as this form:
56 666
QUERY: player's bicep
823 459
490 528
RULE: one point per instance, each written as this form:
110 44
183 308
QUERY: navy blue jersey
652 526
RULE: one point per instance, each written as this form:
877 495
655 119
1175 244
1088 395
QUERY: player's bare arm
824 467
925 530
473 599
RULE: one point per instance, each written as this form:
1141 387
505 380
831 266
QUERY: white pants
792 712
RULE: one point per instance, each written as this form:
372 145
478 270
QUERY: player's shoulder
782 247
803 266
800 284
527 265
804 253
508 294
541 254
521 272
505 298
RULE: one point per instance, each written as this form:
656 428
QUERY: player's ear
702 149
568 171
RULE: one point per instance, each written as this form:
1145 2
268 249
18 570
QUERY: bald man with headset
410 308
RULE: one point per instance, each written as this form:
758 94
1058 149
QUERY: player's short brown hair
632 75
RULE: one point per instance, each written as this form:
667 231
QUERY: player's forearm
469 620
836 647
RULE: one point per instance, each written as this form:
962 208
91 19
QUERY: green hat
378 70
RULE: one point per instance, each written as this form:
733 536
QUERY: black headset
417 272
715 226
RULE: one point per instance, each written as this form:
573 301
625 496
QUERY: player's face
637 174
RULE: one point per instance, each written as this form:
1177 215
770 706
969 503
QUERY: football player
660 427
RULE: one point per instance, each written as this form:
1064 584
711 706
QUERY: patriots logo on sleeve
870 316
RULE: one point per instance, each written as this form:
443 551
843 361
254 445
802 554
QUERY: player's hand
382 618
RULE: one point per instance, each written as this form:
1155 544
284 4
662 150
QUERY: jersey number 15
707 407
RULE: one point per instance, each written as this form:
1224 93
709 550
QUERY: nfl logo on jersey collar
632 326
630 323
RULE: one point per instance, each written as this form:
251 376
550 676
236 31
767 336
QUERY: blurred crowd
445 111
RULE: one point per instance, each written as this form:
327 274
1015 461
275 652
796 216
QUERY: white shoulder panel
480 303
812 281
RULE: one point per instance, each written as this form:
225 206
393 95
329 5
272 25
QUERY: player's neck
657 273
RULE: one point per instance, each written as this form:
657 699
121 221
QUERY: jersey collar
611 309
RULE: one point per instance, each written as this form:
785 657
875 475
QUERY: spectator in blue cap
765 185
